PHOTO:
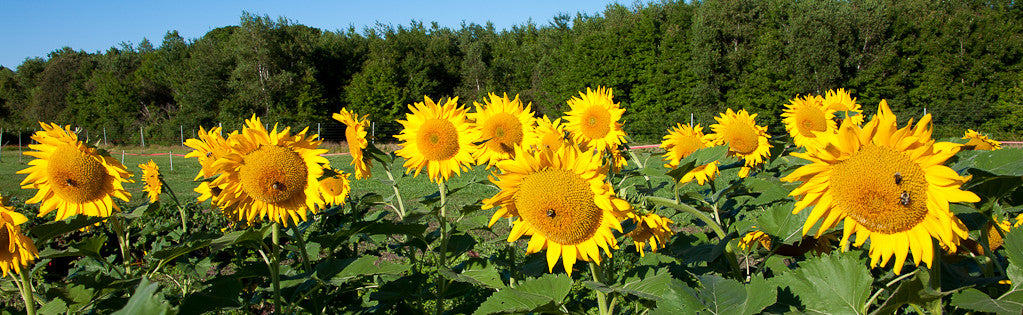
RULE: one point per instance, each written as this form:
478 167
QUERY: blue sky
35 28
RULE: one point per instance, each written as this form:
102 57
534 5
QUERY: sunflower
888 184
16 250
270 174
71 176
980 142
805 116
751 239
701 173
151 176
335 189
550 134
593 120
502 124
745 139
841 101
562 200
208 148
681 141
355 135
652 229
438 138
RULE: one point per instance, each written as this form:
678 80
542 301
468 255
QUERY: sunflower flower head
701 173
270 174
207 149
550 134
71 176
650 229
841 102
355 135
681 141
16 250
335 189
745 139
885 184
754 238
806 116
978 141
560 198
502 124
151 179
437 137
593 120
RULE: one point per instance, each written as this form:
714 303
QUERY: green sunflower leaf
831 284
778 221
718 295
544 293
146 301
1010 302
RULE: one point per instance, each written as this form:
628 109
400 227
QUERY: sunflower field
485 208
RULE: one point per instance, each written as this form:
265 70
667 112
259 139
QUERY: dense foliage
959 60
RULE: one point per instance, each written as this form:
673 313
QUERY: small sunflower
438 138
208 148
270 174
650 228
840 101
805 116
562 200
701 173
16 250
886 184
980 142
335 189
502 124
550 134
594 120
71 176
751 239
745 139
681 141
151 178
355 135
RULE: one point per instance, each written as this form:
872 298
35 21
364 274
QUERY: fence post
373 131
181 129
171 157
122 156
318 131
142 137
105 136
691 119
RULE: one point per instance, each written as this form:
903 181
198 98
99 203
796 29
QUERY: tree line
959 60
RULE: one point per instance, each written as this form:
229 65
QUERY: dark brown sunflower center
596 122
810 119
437 139
504 131
333 186
76 176
741 138
273 174
882 189
559 204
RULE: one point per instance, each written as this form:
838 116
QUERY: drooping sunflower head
437 137
754 238
335 189
745 139
806 116
207 148
650 229
151 179
978 141
270 174
841 102
73 177
550 134
701 173
594 119
16 250
681 141
355 135
502 124
885 184
560 198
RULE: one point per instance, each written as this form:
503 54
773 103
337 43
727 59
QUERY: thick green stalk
397 195
598 276
696 213
275 267
301 246
936 306
122 241
181 209
26 292
442 257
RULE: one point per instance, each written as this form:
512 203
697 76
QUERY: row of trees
960 60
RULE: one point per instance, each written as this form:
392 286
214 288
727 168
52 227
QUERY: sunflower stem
936 306
442 257
640 165
275 266
397 195
690 210
26 292
301 247
598 276
122 241
181 209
